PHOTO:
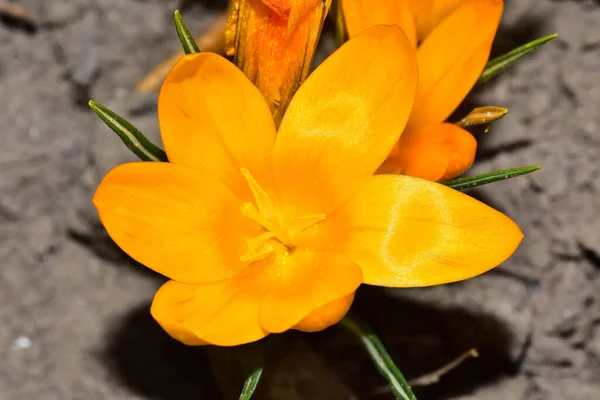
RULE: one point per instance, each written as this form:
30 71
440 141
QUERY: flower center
281 228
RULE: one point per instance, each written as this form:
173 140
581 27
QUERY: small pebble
22 343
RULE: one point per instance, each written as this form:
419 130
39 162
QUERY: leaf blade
489 177
381 358
341 31
251 383
499 64
129 134
185 37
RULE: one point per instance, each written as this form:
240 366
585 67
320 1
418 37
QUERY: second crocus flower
453 40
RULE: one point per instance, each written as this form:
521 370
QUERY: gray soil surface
74 320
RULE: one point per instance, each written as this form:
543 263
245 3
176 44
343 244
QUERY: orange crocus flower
453 40
262 230
274 42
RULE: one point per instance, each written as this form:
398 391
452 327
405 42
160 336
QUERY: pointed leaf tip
251 383
499 64
341 30
489 177
185 37
129 134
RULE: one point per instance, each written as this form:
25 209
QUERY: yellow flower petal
343 121
461 147
434 152
222 313
417 153
405 232
451 59
429 13
307 281
214 119
307 290
363 14
175 220
325 316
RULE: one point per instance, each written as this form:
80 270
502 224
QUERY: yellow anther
265 205
300 224
250 211
281 228
259 247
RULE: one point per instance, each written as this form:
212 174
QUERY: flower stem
381 358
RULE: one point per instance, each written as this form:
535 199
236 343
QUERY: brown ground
74 320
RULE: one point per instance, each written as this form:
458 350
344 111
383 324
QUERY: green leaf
251 383
341 31
268 345
499 64
489 177
186 38
381 358
129 134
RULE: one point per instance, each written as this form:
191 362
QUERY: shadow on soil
93 237
143 358
420 337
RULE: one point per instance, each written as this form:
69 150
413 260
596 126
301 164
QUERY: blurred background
74 310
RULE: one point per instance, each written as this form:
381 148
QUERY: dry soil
74 320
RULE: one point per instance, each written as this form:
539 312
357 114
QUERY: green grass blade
129 134
341 31
186 38
268 345
251 383
499 64
489 177
382 360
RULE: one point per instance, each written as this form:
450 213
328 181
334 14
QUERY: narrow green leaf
251 383
489 177
341 32
499 64
129 134
482 115
268 345
381 358
186 38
